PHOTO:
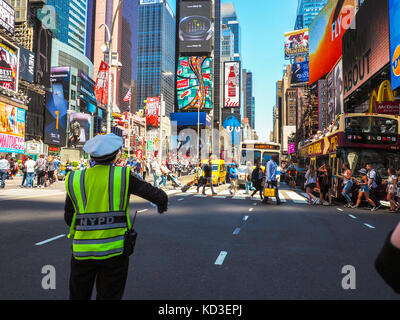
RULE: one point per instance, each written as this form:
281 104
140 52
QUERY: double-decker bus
358 139
254 151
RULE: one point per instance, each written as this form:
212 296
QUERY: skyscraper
156 54
307 10
71 23
248 99
230 18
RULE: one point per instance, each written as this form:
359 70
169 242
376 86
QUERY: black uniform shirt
138 188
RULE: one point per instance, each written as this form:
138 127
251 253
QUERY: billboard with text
232 72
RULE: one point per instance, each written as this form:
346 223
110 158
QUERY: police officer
97 211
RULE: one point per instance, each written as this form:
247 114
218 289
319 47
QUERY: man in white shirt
4 167
30 172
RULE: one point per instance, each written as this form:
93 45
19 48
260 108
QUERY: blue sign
394 18
300 72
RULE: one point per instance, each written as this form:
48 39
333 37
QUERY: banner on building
394 18
322 105
232 84
194 83
195 27
101 89
326 32
26 64
42 46
296 43
12 129
153 112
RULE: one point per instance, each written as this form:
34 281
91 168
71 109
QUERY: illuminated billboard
9 65
153 112
12 128
296 43
366 49
300 72
394 18
232 81
194 83
326 32
195 27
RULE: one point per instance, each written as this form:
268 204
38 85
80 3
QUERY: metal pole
198 134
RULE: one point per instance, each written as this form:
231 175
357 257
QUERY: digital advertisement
153 112
101 89
79 132
9 65
194 83
300 72
232 84
195 27
326 32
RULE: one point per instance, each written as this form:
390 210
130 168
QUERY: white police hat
103 146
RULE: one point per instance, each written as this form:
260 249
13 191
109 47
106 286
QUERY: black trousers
110 276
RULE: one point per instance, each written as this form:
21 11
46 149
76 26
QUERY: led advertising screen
195 27
194 83
326 32
300 72
55 117
153 112
12 129
394 18
7 17
9 65
296 43
79 129
366 49
232 84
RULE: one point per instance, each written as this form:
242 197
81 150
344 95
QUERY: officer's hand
161 210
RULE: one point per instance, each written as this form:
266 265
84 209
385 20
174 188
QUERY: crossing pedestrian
198 174
364 190
234 175
271 179
247 178
40 171
325 183
257 177
373 183
391 189
101 248
4 167
347 184
207 169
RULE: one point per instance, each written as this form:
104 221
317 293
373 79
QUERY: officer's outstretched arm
145 190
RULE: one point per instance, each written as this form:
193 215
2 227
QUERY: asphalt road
205 248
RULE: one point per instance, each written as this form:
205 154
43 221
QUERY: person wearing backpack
374 180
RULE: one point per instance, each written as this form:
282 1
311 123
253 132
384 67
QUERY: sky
263 24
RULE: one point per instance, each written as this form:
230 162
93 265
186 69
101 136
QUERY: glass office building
156 54
307 10
230 18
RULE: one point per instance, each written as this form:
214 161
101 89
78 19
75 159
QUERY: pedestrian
373 183
144 169
234 175
156 172
40 170
23 169
198 174
138 167
4 167
68 167
30 172
208 177
364 190
247 177
164 174
271 179
311 183
257 178
387 264
325 183
101 249
292 173
57 163
12 169
391 189
51 168
347 184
